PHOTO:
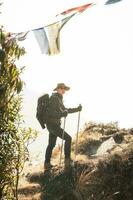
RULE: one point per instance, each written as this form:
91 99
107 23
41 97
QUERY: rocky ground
104 159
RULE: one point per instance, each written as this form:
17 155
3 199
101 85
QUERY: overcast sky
95 60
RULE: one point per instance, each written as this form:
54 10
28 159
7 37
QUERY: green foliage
13 138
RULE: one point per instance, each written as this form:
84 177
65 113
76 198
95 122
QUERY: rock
118 137
106 146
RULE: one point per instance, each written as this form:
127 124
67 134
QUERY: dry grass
86 181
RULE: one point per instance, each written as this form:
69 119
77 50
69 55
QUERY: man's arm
73 110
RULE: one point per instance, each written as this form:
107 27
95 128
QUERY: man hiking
57 110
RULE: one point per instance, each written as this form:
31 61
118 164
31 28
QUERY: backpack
42 110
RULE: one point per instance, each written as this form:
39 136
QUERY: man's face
61 91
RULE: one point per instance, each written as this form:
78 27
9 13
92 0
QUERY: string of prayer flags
48 37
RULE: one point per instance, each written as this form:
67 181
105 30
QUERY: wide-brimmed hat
61 85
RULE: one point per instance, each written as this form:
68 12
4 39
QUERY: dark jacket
57 108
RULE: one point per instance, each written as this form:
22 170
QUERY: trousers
56 131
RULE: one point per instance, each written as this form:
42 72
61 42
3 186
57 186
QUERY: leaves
19 86
13 139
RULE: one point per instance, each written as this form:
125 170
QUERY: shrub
13 138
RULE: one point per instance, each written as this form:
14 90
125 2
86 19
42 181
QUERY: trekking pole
76 144
62 141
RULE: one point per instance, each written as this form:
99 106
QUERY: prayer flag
77 9
42 39
53 34
112 2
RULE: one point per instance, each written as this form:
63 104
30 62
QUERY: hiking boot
47 166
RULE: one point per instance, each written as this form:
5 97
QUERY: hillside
102 171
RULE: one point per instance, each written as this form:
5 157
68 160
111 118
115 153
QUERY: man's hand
79 108
65 113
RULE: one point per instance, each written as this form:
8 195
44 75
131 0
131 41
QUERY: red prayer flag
78 9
